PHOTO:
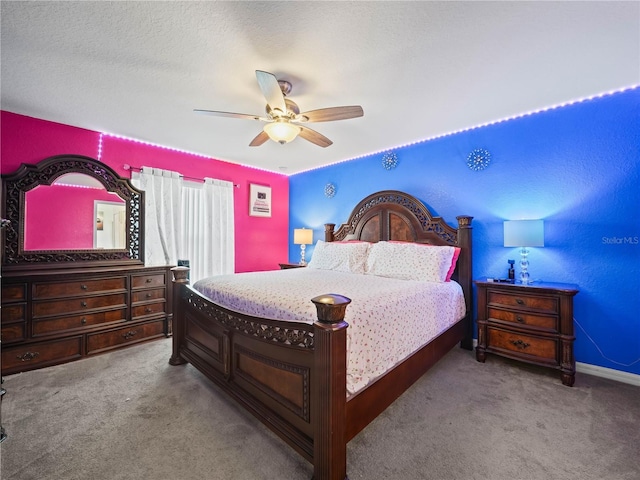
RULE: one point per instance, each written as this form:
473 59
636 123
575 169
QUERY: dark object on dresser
59 305
532 323
285 266
292 376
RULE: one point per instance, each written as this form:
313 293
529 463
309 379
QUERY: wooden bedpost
328 231
464 275
180 277
330 390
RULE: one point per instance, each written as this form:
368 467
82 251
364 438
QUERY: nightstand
284 266
532 323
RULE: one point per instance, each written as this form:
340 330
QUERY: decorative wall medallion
329 190
389 160
478 159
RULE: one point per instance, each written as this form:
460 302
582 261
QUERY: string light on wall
479 159
389 160
329 190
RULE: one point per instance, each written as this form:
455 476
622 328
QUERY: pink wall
260 242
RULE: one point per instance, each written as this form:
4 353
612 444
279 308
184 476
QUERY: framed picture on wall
259 201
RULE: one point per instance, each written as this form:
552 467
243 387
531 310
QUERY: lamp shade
524 233
302 236
281 131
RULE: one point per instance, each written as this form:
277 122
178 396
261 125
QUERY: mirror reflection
64 216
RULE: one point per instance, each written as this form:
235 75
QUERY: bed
292 375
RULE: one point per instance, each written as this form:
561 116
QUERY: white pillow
340 256
410 261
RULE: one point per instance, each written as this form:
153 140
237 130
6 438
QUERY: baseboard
610 373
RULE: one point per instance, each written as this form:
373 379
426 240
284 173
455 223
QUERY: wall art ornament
329 190
389 160
478 159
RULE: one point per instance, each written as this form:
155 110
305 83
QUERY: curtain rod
126 166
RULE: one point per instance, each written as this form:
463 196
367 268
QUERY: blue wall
577 167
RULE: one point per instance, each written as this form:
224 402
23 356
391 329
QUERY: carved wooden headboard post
464 273
328 232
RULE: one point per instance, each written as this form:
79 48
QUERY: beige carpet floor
130 415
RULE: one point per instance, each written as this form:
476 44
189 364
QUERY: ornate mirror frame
27 177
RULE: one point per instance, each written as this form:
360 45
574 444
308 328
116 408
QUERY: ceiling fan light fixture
281 131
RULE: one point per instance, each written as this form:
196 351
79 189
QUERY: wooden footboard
290 376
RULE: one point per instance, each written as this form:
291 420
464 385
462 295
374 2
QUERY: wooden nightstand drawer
527 320
540 348
13 313
527 302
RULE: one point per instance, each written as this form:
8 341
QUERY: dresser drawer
147 309
15 292
130 334
13 313
83 287
59 307
147 295
545 349
541 322
539 303
13 332
50 326
28 357
145 281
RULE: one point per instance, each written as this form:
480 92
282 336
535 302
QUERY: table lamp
523 234
302 237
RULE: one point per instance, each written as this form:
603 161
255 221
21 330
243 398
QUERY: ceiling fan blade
271 90
331 114
314 137
229 114
259 140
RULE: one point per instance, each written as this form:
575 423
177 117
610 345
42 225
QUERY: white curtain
208 228
188 221
163 200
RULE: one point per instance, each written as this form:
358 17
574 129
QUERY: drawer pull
83 287
519 319
2 391
129 334
148 280
149 295
147 310
28 356
83 321
83 304
519 344
519 301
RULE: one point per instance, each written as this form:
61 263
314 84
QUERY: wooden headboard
394 215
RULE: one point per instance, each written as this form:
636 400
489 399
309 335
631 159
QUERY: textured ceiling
419 69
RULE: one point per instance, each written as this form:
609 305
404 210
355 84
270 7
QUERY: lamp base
302 259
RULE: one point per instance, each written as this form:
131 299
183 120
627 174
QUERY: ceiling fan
284 120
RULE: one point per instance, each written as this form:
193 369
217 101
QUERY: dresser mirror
69 209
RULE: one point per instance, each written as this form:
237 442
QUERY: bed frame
293 376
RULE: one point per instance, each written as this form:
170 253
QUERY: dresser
531 323
52 317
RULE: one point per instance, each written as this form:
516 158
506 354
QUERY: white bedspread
388 319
